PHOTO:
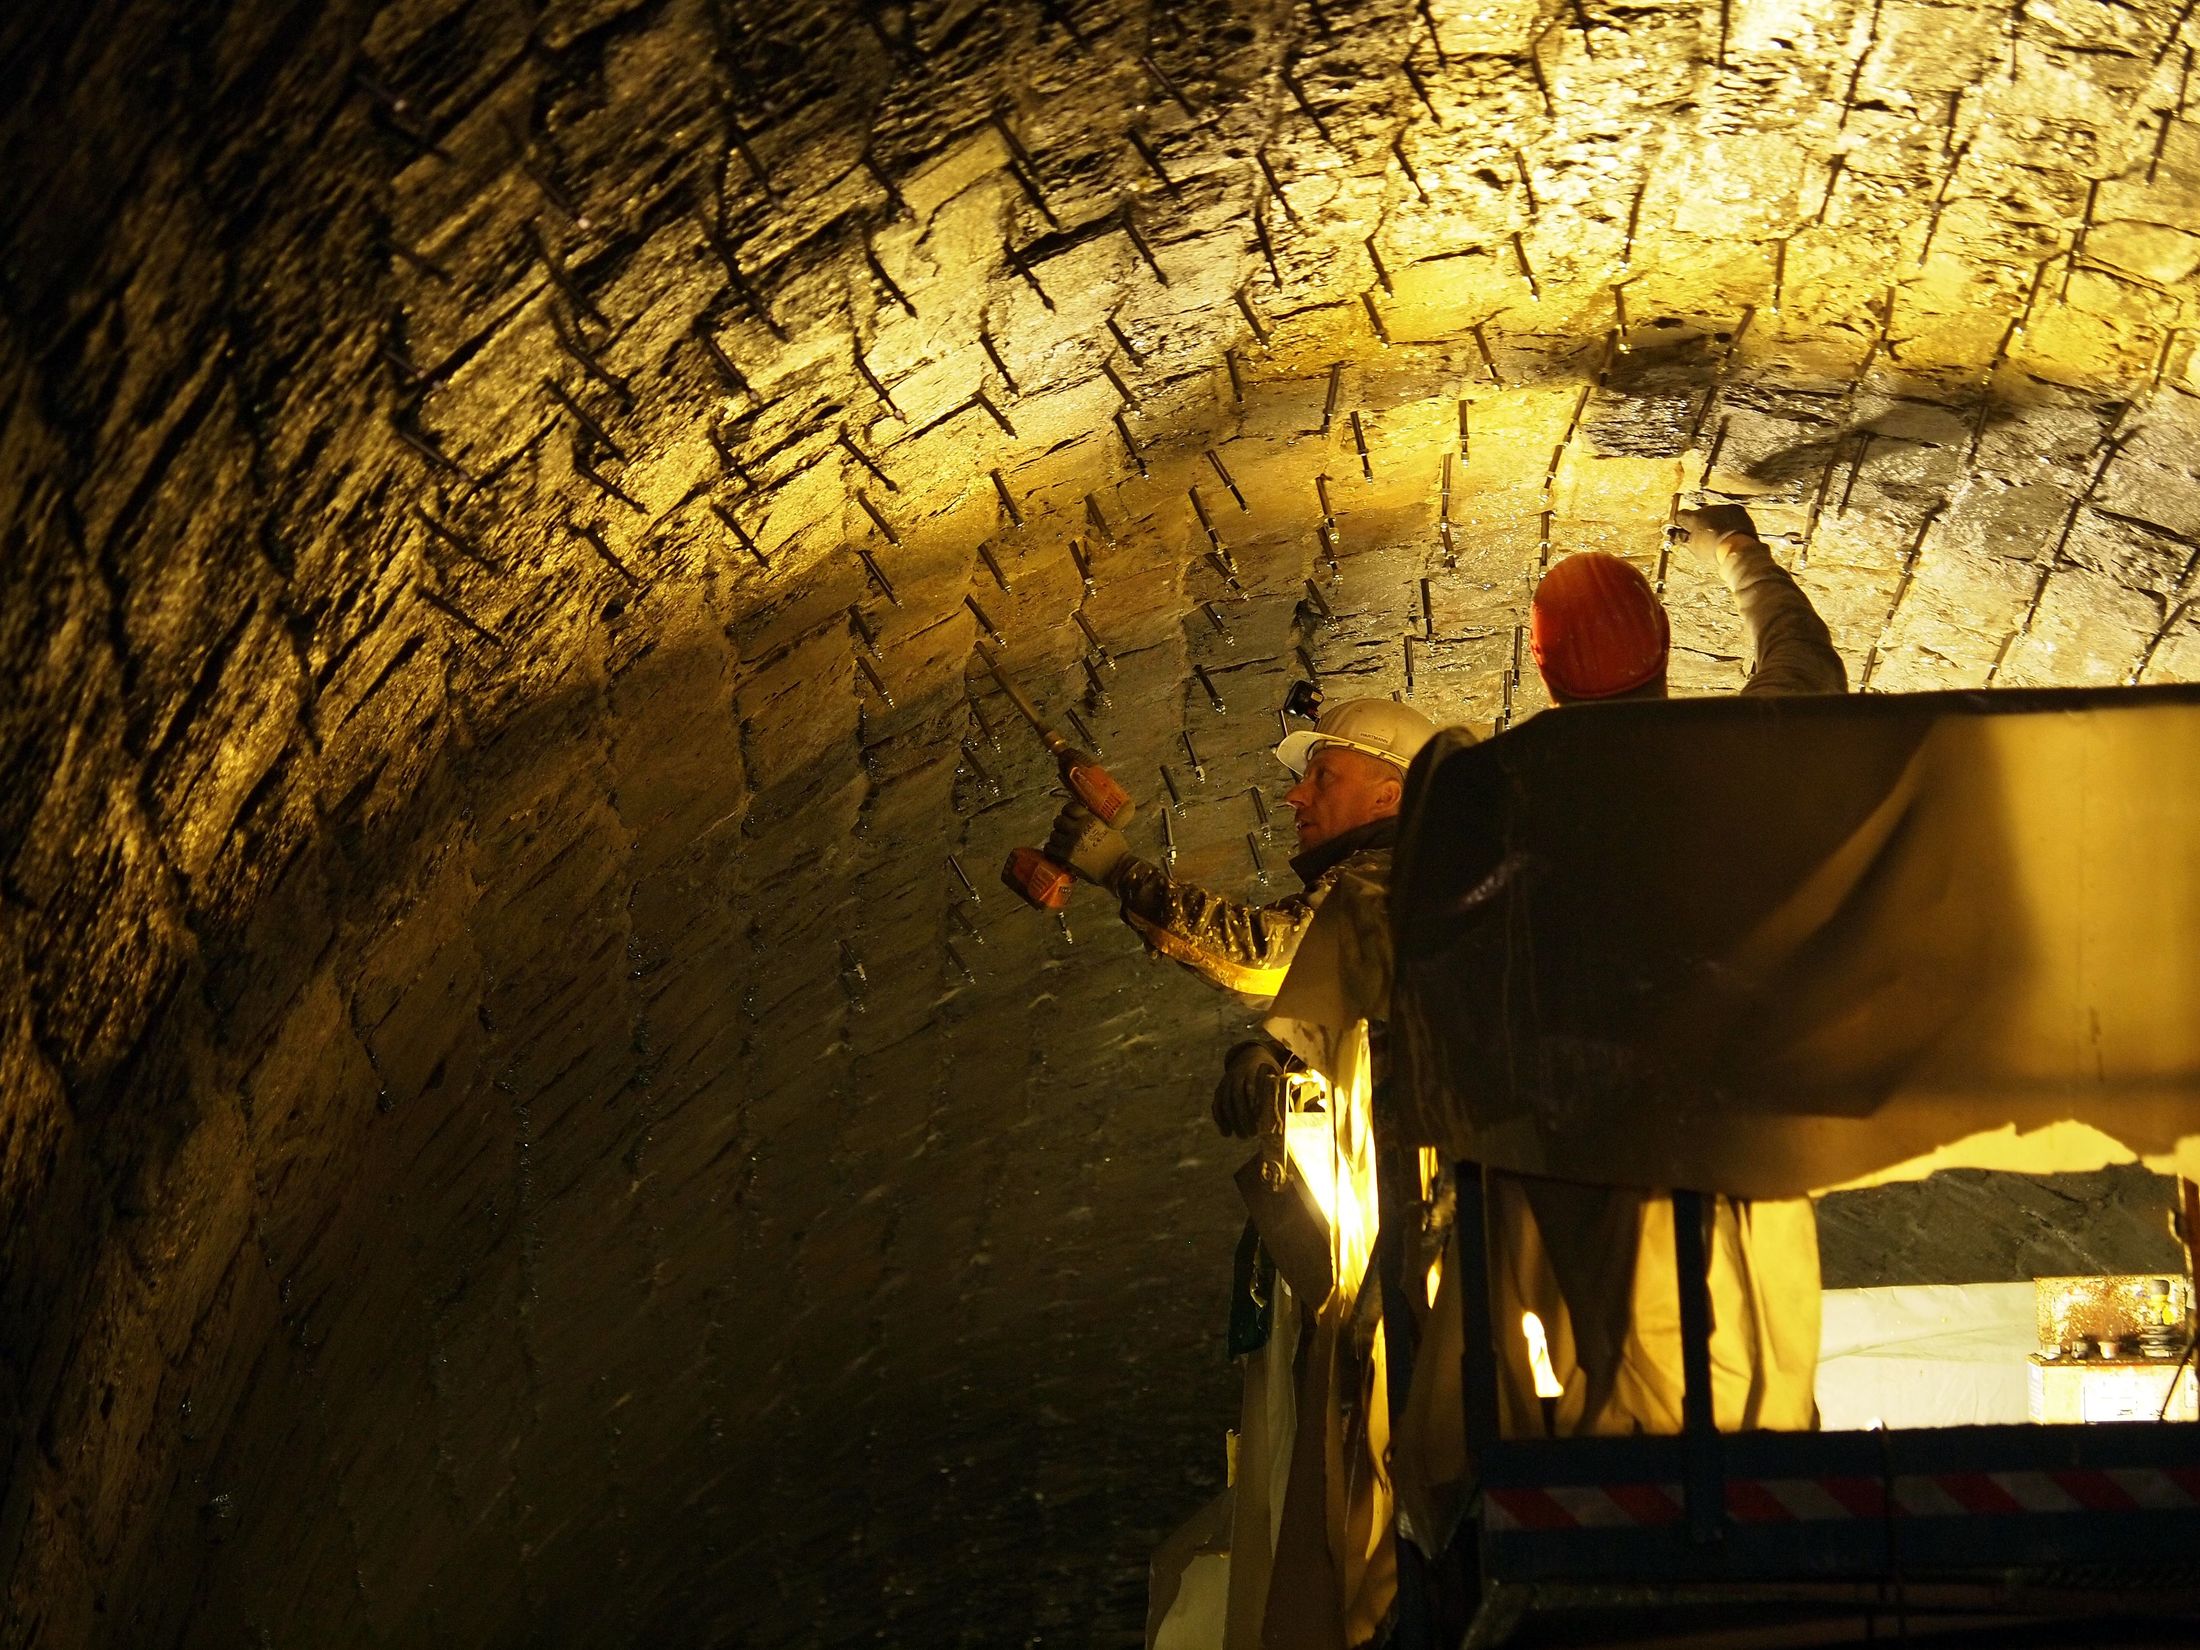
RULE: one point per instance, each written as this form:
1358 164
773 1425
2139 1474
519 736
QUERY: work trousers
1610 1254
1594 1264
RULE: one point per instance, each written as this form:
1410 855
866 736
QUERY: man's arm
1241 947
1793 650
1790 648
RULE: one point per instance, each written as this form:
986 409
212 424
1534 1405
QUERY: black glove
1249 1100
1087 844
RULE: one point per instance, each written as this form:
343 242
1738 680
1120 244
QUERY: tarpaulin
1927 1355
1771 946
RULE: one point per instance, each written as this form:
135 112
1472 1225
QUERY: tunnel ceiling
517 1128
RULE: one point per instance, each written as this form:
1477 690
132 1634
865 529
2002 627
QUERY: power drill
1038 880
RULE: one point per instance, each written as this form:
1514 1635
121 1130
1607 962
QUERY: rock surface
514 1127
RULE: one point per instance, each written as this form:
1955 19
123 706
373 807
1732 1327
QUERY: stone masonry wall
525 1117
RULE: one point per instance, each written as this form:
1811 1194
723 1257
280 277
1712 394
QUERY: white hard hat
1381 728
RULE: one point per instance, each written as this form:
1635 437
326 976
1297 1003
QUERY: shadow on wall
319 1288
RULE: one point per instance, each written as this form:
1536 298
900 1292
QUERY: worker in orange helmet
1594 1264
1599 632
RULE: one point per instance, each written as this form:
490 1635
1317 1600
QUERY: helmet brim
1297 749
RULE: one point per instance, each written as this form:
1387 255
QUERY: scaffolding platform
1767 950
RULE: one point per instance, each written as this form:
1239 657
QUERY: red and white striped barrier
1807 1500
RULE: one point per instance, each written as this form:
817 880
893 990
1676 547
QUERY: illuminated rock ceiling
516 1130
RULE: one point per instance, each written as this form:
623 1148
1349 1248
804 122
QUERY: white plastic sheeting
1926 1355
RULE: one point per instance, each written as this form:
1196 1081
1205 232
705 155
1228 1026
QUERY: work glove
1706 530
1249 1100
1087 844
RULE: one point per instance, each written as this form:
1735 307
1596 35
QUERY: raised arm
1790 649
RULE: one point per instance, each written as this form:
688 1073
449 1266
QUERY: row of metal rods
1019 155
1025 165
595 436
1327 533
1316 603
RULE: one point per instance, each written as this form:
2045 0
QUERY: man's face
1340 791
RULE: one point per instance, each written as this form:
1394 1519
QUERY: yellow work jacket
1312 1563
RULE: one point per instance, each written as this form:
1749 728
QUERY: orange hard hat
1597 628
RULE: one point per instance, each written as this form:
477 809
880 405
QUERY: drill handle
1097 789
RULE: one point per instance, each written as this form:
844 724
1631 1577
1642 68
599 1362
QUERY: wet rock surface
514 1127
1965 1226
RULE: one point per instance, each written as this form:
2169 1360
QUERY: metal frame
1947 1513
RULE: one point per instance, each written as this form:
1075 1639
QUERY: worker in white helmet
1308 1523
1351 768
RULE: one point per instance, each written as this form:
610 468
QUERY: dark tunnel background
514 1127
